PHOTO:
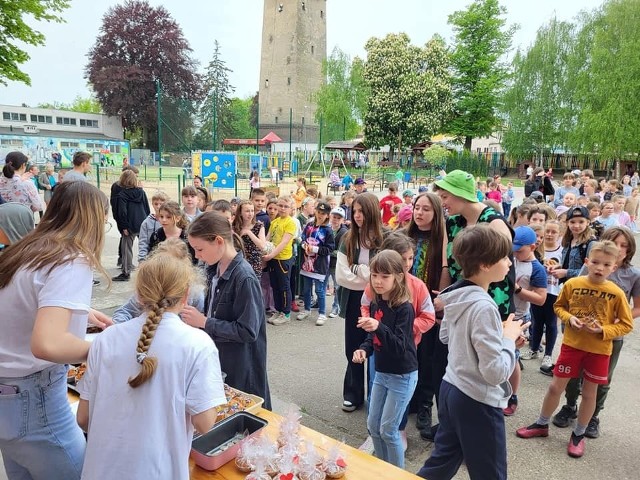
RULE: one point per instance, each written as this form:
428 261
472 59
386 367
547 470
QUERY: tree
410 90
139 45
538 105
215 114
79 104
14 30
339 100
481 41
606 86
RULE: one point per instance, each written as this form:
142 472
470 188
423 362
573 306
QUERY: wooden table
360 465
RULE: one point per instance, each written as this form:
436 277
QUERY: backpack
529 187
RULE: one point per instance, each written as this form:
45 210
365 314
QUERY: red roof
271 138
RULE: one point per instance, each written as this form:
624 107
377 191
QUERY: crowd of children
427 314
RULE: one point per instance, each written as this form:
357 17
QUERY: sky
57 68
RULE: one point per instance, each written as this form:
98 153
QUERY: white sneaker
280 319
320 320
367 446
334 313
547 362
303 315
528 354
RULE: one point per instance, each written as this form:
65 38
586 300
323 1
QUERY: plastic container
221 433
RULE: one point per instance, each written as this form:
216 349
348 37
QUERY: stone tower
294 45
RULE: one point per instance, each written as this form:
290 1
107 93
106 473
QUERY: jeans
372 375
39 436
389 399
336 304
544 321
307 283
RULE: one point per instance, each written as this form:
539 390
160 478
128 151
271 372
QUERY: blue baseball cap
524 236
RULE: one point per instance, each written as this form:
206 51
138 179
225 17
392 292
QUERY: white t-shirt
67 286
146 432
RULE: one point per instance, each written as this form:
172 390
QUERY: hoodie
132 208
480 359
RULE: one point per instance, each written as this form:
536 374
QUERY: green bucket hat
459 183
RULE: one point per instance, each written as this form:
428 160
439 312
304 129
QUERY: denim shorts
39 436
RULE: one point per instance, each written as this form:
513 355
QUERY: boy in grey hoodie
475 387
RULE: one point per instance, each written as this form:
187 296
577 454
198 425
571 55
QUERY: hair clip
140 356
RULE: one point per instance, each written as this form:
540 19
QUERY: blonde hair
162 282
536 227
160 195
606 247
72 227
389 262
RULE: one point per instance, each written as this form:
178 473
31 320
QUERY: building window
69 144
8 142
34 118
94 146
321 14
65 121
88 123
41 119
276 119
288 80
14 117
114 148
312 49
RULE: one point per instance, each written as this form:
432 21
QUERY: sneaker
347 406
547 363
403 439
294 307
423 418
528 354
334 313
271 317
533 430
281 319
575 448
320 320
429 434
123 277
367 446
593 429
314 303
96 282
303 315
563 418
510 410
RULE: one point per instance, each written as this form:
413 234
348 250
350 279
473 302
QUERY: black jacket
131 209
239 327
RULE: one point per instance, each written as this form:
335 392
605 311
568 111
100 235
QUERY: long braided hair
163 281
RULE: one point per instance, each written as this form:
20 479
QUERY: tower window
288 80
321 14
312 49
280 7
304 7
266 83
276 119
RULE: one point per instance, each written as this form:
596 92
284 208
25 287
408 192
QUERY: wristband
518 290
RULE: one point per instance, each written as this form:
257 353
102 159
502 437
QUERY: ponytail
238 243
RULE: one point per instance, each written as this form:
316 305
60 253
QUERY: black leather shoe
123 277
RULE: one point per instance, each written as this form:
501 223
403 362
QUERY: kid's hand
559 272
594 327
268 257
359 356
192 316
368 324
513 329
438 304
575 322
99 319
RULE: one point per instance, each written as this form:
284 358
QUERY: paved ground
306 365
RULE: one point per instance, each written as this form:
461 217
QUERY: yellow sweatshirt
604 301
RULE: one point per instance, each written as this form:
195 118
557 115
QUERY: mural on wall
217 169
60 151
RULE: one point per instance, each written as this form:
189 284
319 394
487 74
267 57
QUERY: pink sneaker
533 430
510 410
575 448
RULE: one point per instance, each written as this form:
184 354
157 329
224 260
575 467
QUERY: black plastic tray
226 430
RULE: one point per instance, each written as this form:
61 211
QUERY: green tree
538 104
240 122
215 113
339 101
481 42
607 89
79 104
409 90
14 32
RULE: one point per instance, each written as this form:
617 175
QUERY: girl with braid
149 382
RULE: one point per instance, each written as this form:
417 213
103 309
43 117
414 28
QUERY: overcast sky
57 69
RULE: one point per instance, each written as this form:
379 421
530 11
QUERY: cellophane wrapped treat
260 472
247 454
310 464
335 464
290 427
288 470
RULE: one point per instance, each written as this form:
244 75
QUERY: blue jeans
39 436
336 304
389 399
372 375
307 282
